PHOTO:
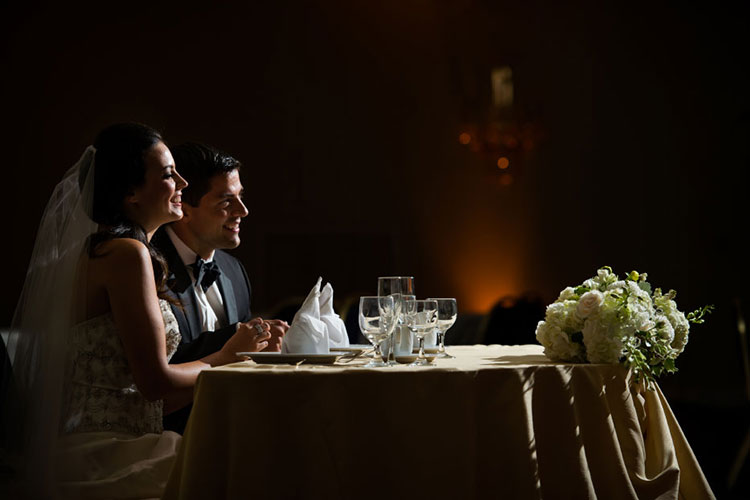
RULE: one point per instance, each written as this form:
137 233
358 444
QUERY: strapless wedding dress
112 444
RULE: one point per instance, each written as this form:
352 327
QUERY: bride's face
159 199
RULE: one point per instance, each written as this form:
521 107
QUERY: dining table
495 421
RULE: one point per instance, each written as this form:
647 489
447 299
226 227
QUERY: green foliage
648 357
626 322
697 316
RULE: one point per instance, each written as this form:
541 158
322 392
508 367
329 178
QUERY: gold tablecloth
496 422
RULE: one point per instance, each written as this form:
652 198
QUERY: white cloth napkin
308 334
337 336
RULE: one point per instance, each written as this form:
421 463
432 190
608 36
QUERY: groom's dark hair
198 164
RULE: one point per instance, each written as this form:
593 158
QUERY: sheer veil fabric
39 336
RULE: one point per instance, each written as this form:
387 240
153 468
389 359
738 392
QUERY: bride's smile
159 199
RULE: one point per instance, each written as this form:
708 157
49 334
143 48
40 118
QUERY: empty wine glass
402 337
421 318
376 320
407 285
447 314
395 286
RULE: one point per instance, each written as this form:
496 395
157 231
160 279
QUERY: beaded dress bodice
100 392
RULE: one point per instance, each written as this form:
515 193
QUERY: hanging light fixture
502 139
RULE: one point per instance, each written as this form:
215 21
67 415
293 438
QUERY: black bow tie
205 272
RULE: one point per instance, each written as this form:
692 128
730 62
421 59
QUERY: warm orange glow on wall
464 138
485 269
484 281
481 298
503 163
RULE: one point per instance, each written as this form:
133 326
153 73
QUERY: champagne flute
421 318
376 316
447 314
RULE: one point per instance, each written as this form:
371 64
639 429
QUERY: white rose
567 294
604 277
589 303
603 274
557 344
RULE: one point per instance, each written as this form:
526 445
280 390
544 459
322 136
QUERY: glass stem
378 354
421 347
392 350
441 340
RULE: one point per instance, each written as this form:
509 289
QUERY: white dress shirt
210 303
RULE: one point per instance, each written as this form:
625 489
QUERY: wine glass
447 313
421 318
376 317
402 337
395 286
407 285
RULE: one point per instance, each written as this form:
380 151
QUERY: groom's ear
131 198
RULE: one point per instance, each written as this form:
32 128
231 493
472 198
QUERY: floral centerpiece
611 320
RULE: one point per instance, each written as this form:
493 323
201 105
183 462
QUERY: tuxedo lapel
227 293
190 311
181 284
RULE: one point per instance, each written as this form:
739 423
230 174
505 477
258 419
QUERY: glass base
420 362
445 355
375 363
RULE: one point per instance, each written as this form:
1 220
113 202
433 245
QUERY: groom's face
215 222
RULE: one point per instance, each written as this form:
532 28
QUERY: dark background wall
347 115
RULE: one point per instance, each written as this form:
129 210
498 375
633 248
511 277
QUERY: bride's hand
252 336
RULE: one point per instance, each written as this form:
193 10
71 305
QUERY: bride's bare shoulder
122 251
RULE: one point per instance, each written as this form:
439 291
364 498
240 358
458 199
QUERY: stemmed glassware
376 320
396 287
421 319
407 285
403 343
447 314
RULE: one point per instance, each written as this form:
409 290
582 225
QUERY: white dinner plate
354 348
292 359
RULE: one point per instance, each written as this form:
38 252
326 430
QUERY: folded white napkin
337 336
308 334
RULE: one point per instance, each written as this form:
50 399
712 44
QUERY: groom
211 285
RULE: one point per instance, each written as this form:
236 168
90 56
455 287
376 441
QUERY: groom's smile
215 222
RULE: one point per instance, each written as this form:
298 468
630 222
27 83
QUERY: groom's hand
252 336
277 329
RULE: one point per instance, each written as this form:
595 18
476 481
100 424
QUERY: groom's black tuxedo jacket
235 292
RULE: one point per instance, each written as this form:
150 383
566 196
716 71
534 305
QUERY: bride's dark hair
119 167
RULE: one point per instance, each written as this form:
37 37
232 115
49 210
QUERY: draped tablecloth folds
495 422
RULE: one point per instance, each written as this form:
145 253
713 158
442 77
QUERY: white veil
39 336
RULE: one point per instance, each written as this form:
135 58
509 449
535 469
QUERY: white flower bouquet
609 320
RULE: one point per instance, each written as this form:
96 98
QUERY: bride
93 331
